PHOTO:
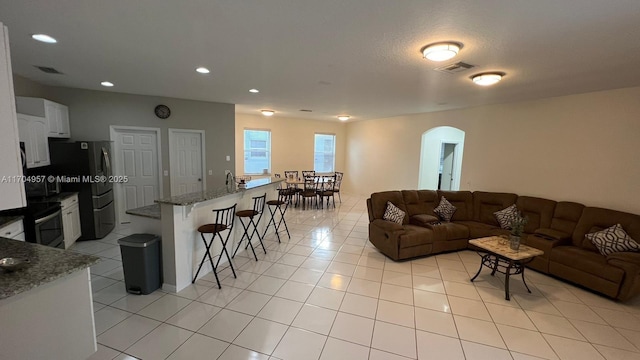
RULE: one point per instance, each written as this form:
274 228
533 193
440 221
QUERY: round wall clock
162 111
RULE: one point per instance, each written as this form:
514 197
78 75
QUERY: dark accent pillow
612 240
506 216
393 213
445 210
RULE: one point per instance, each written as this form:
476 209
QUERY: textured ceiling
331 56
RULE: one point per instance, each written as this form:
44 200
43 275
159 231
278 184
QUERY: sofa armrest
630 263
387 225
551 234
631 258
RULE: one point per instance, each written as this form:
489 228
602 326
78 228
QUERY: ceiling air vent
48 70
454 68
306 110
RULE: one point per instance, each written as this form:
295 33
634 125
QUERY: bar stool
276 205
223 222
258 209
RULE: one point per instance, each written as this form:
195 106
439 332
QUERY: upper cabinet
57 115
33 132
11 186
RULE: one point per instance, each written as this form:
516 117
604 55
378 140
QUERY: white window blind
257 151
324 154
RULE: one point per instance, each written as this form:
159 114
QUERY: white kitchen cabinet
57 115
13 193
14 230
70 220
33 131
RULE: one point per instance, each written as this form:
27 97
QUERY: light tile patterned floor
328 294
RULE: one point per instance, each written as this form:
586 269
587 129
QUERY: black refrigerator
86 168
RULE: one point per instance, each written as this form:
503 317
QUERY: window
257 151
324 154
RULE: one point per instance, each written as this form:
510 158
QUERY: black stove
42 222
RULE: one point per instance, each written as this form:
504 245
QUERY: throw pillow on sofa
393 213
612 240
445 210
506 216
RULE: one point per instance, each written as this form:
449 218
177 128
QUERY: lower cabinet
14 230
71 221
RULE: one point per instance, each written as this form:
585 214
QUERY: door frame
113 130
455 144
173 160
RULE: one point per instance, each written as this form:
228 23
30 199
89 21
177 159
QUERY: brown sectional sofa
557 228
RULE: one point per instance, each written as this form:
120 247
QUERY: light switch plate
210 172
166 173
228 158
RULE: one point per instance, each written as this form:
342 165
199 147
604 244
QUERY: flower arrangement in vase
517 227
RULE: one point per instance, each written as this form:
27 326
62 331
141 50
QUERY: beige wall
580 148
291 141
91 113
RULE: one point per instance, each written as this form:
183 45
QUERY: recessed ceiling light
255 91
44 38
203 70
441 51
487 79
267 112
343 117
106 83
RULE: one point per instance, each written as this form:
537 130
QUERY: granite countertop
150 211
200 196
62 196
46 264
6 220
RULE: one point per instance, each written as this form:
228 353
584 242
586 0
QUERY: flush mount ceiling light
343 117
255 91
106 83
44 38
487 79
267 112
203 70
441 51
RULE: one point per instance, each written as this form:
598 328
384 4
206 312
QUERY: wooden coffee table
502 259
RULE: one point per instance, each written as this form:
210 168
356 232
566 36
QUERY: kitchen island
46 309
182 246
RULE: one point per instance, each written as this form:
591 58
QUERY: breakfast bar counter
182 246
46 307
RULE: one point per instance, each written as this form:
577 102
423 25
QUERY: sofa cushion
586 261
566 216
393 213
414 236
445 210
538 212
379 203
477 229
463 201
423 219
553 234
450 231
420 201
612 240
593 217
506 216
487 203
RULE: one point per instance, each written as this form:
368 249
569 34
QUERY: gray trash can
141 263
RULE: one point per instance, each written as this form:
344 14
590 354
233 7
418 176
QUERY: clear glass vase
514 242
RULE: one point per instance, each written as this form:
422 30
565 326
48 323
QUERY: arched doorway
441 158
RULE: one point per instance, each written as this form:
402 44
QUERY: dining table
298 183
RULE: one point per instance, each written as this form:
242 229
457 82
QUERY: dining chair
325 189
306 173
291 174
337 183
309 191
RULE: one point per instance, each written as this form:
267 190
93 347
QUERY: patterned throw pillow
445 210
393 213
505 216
612 240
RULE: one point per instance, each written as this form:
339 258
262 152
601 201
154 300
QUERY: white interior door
448 154
136 157
186 149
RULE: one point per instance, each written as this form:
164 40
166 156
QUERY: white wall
431 149
580 148
291 141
